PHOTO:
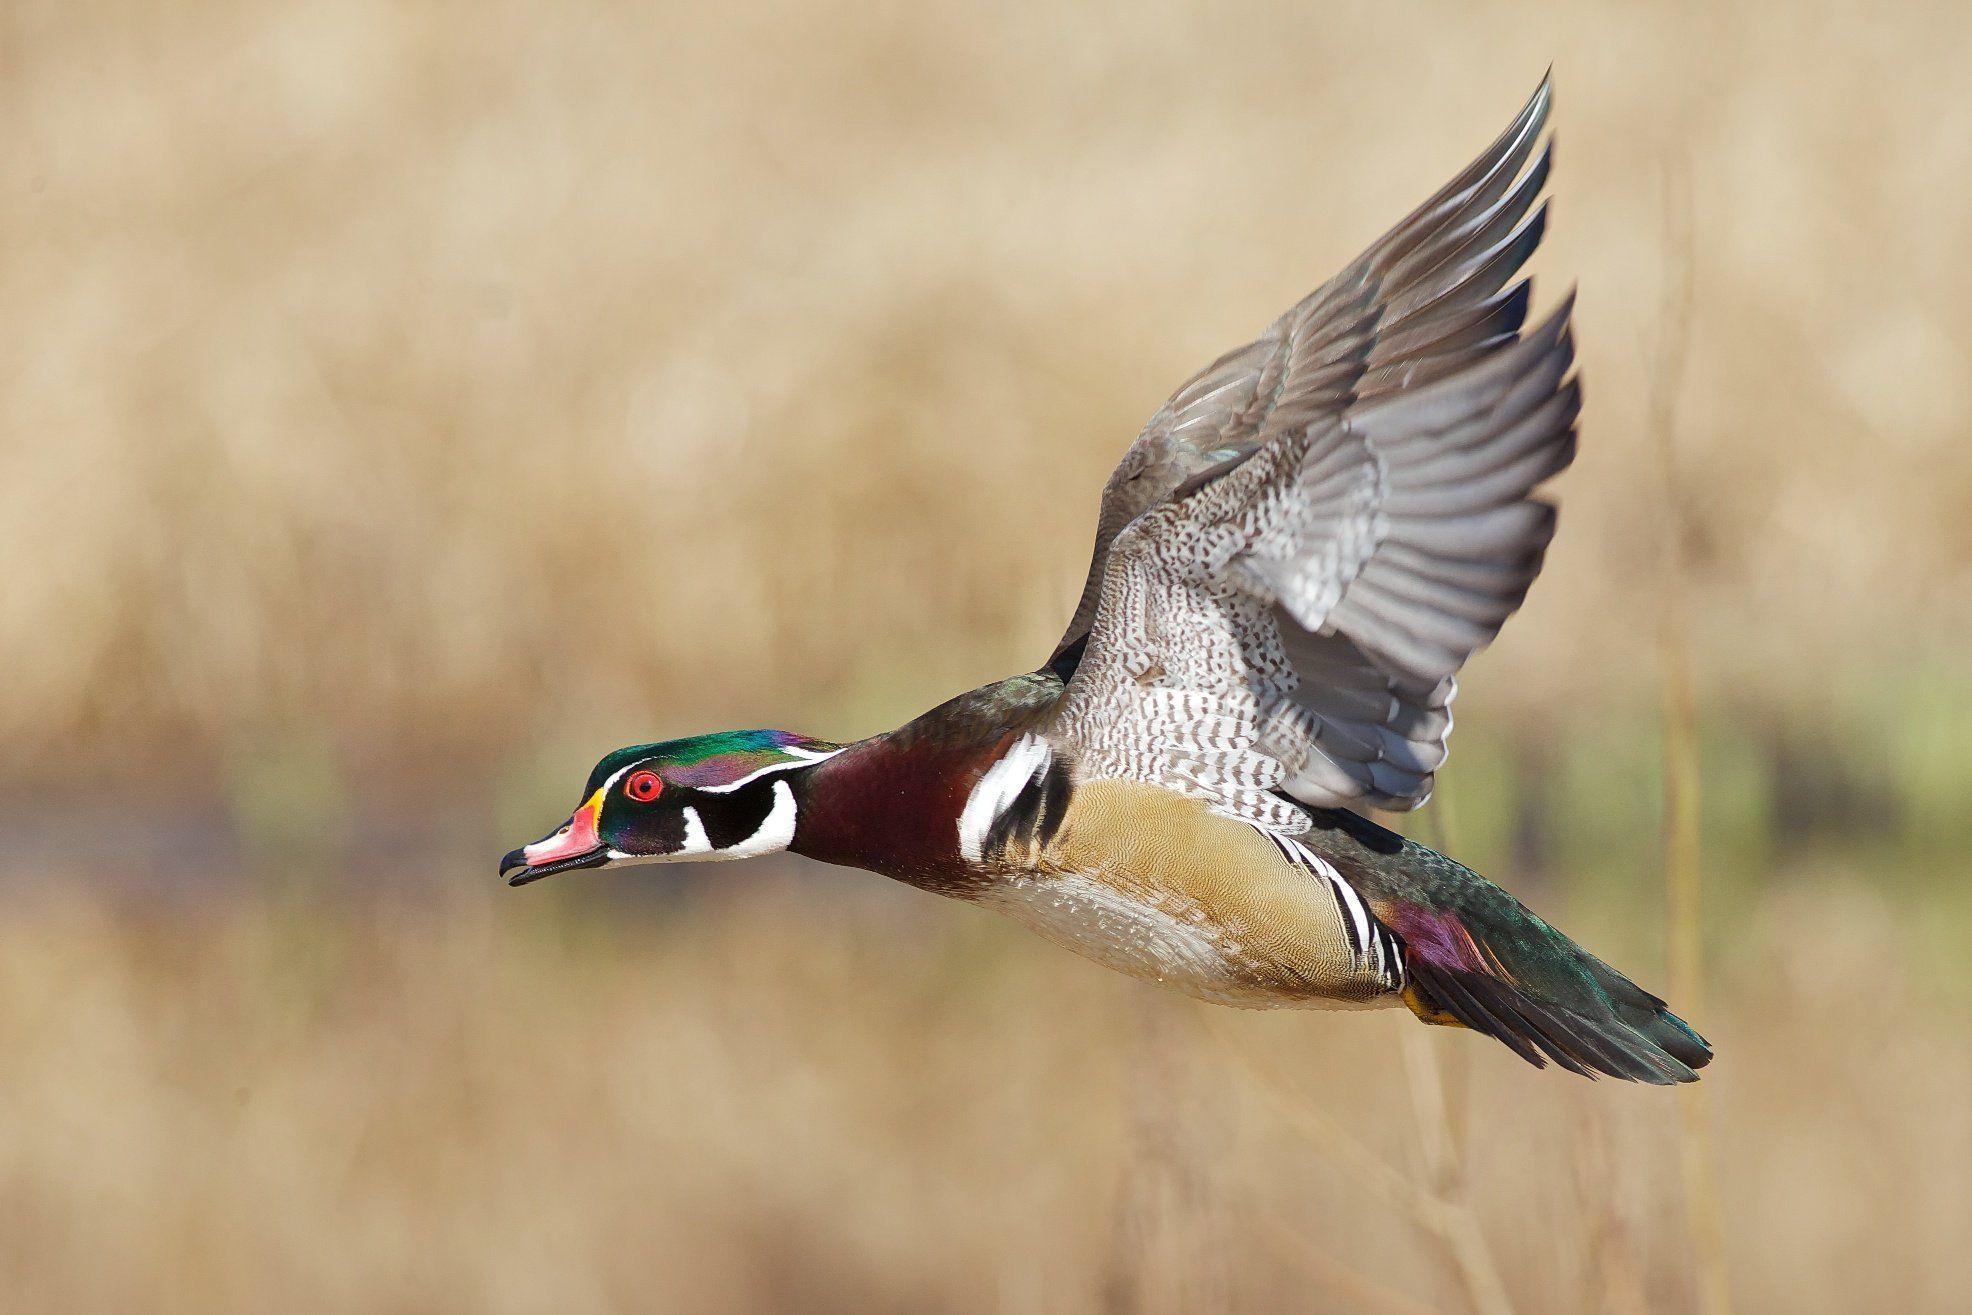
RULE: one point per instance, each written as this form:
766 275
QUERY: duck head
706 797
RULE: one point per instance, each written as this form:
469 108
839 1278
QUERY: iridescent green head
705 797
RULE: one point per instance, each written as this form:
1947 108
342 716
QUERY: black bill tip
518 872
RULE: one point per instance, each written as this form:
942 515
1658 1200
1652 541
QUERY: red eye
643 786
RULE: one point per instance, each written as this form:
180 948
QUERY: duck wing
1286 624
1427 298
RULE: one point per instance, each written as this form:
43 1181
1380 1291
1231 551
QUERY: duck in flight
1292 562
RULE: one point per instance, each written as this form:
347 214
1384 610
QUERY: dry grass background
405 402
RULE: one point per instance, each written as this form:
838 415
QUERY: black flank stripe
1380 936
1035 814
1056 786
1356 947
1016 822
1393 957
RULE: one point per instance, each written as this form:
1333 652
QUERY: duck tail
1491 965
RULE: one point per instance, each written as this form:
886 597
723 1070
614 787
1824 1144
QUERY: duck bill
574 844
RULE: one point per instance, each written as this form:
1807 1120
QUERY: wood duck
1293 560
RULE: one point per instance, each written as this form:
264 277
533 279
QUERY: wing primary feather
1495 319
1470 243
1486 275
1501 159
1505 486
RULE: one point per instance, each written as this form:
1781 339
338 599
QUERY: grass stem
1683 859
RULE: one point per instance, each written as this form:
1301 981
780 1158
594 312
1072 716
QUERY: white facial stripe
776 830
775 833
997 789
804 757
696 841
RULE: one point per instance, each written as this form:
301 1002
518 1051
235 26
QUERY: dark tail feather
1610 1026
1476 957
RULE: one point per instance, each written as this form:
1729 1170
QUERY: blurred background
405 403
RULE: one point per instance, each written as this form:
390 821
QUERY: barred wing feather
1291 620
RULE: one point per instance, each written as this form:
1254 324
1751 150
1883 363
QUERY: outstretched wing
1291 621
1427 298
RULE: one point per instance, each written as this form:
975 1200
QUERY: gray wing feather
1425 299
1292 621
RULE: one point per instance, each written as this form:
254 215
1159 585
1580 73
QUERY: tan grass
782 1100
474 375
1683 780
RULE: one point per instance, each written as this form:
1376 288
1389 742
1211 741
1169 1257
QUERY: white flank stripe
1380 957
997 789
1344 892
